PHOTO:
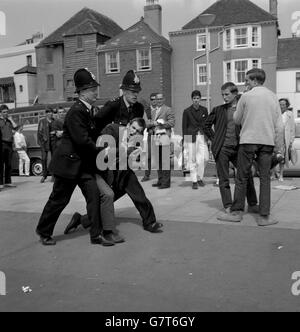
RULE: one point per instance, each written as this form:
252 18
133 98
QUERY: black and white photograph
149 158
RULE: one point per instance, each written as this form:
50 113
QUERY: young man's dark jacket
77 152
116 111
193 121
219 119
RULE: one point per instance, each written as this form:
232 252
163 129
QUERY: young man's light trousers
24 162
198 158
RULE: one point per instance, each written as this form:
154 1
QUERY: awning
6 81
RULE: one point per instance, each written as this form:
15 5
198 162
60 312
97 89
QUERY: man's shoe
195 186
266 221
145 179
164 187
74 223
253 209
43 179
10 185
154 228
235 216
155 185
114 237
201 183
47 241
101 240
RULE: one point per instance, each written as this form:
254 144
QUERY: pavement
197 264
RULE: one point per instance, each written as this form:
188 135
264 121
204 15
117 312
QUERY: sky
26 17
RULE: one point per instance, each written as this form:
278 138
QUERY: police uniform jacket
116 111
77 152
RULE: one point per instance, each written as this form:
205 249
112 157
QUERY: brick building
241 37
71 46
142 48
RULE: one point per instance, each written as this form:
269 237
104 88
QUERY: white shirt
89 106
19 140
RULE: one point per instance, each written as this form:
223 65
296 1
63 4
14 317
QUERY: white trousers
198 157
23 161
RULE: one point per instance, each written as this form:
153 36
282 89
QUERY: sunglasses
152 99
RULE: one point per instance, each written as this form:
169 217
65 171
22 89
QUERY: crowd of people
96 149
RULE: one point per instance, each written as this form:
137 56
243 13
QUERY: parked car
33 151
294 170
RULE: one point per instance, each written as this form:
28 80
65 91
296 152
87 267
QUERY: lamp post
206 20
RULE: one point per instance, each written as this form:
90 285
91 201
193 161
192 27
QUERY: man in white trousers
193 121
21 147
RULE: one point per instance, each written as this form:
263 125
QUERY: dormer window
242 37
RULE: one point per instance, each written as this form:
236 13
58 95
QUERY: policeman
125 108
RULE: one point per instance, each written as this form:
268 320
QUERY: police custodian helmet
84 79
131 82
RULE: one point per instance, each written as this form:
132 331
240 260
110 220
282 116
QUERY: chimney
273 4
153 15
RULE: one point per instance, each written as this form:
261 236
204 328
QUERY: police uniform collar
126 102
88 106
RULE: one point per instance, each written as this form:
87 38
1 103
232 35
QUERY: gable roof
138 34
288 53
230 12
87 18
26 70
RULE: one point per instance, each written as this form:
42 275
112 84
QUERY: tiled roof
288 53
138 34
26 69
86 18
229 12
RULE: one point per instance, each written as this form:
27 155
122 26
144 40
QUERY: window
143 60
79 43
112 62
7 94
49 54
228 72
201 42
228 39
201 74
297 82
29 60
50 82
242 37
70 83
240 67
21 88
235 70
255 42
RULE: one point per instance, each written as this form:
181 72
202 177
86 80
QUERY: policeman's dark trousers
226 155
45 154
132 187
5 167
246 155
59 199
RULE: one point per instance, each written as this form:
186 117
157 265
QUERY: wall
156 80
14 58
79 58
55 68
